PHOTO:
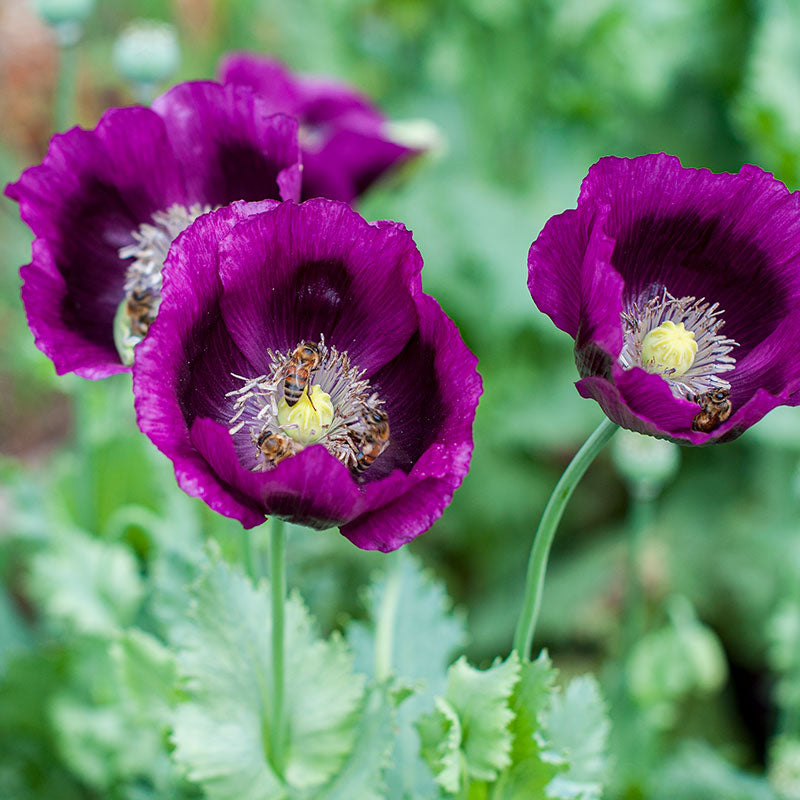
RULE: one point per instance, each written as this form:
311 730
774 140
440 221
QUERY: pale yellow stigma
669 349
308 419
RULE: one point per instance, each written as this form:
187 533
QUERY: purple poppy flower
105 205
344 139
681 288
296 369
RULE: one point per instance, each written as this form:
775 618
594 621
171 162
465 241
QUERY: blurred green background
704 685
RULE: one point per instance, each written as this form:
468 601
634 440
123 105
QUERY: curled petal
311 488
56 323
345 145
230 145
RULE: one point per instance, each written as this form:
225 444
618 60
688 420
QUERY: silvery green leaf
102 743
100 733
441 736
424 631
475 714
221 732
361 776
576 729
696 770
531 769
89 585
147 673
422 634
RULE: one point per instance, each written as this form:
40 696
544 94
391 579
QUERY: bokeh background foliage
95 536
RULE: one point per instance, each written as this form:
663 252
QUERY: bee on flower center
680 339
304 360
285 416
373 439
141 308
151 243
715 408
274 446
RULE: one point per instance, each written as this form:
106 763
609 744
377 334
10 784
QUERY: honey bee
273 446
303 361
374 438
141 312
715 408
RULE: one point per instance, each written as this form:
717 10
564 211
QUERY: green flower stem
64 111
553 511
144 93
248 556
277 569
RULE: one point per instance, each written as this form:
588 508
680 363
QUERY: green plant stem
64 110
144 93
553 511
277 569
253 551
384 627
248 557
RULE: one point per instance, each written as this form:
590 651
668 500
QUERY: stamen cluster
657 307
143 277
356 434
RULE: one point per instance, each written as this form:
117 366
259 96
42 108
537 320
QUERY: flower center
142 298
679 339
669 349
313 395
308 419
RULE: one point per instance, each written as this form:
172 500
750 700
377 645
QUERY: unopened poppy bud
147 52
61 12
645 464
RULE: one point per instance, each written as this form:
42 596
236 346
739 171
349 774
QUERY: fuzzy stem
277 569
553 511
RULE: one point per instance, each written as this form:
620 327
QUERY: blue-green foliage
107 646
418 636
509 732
